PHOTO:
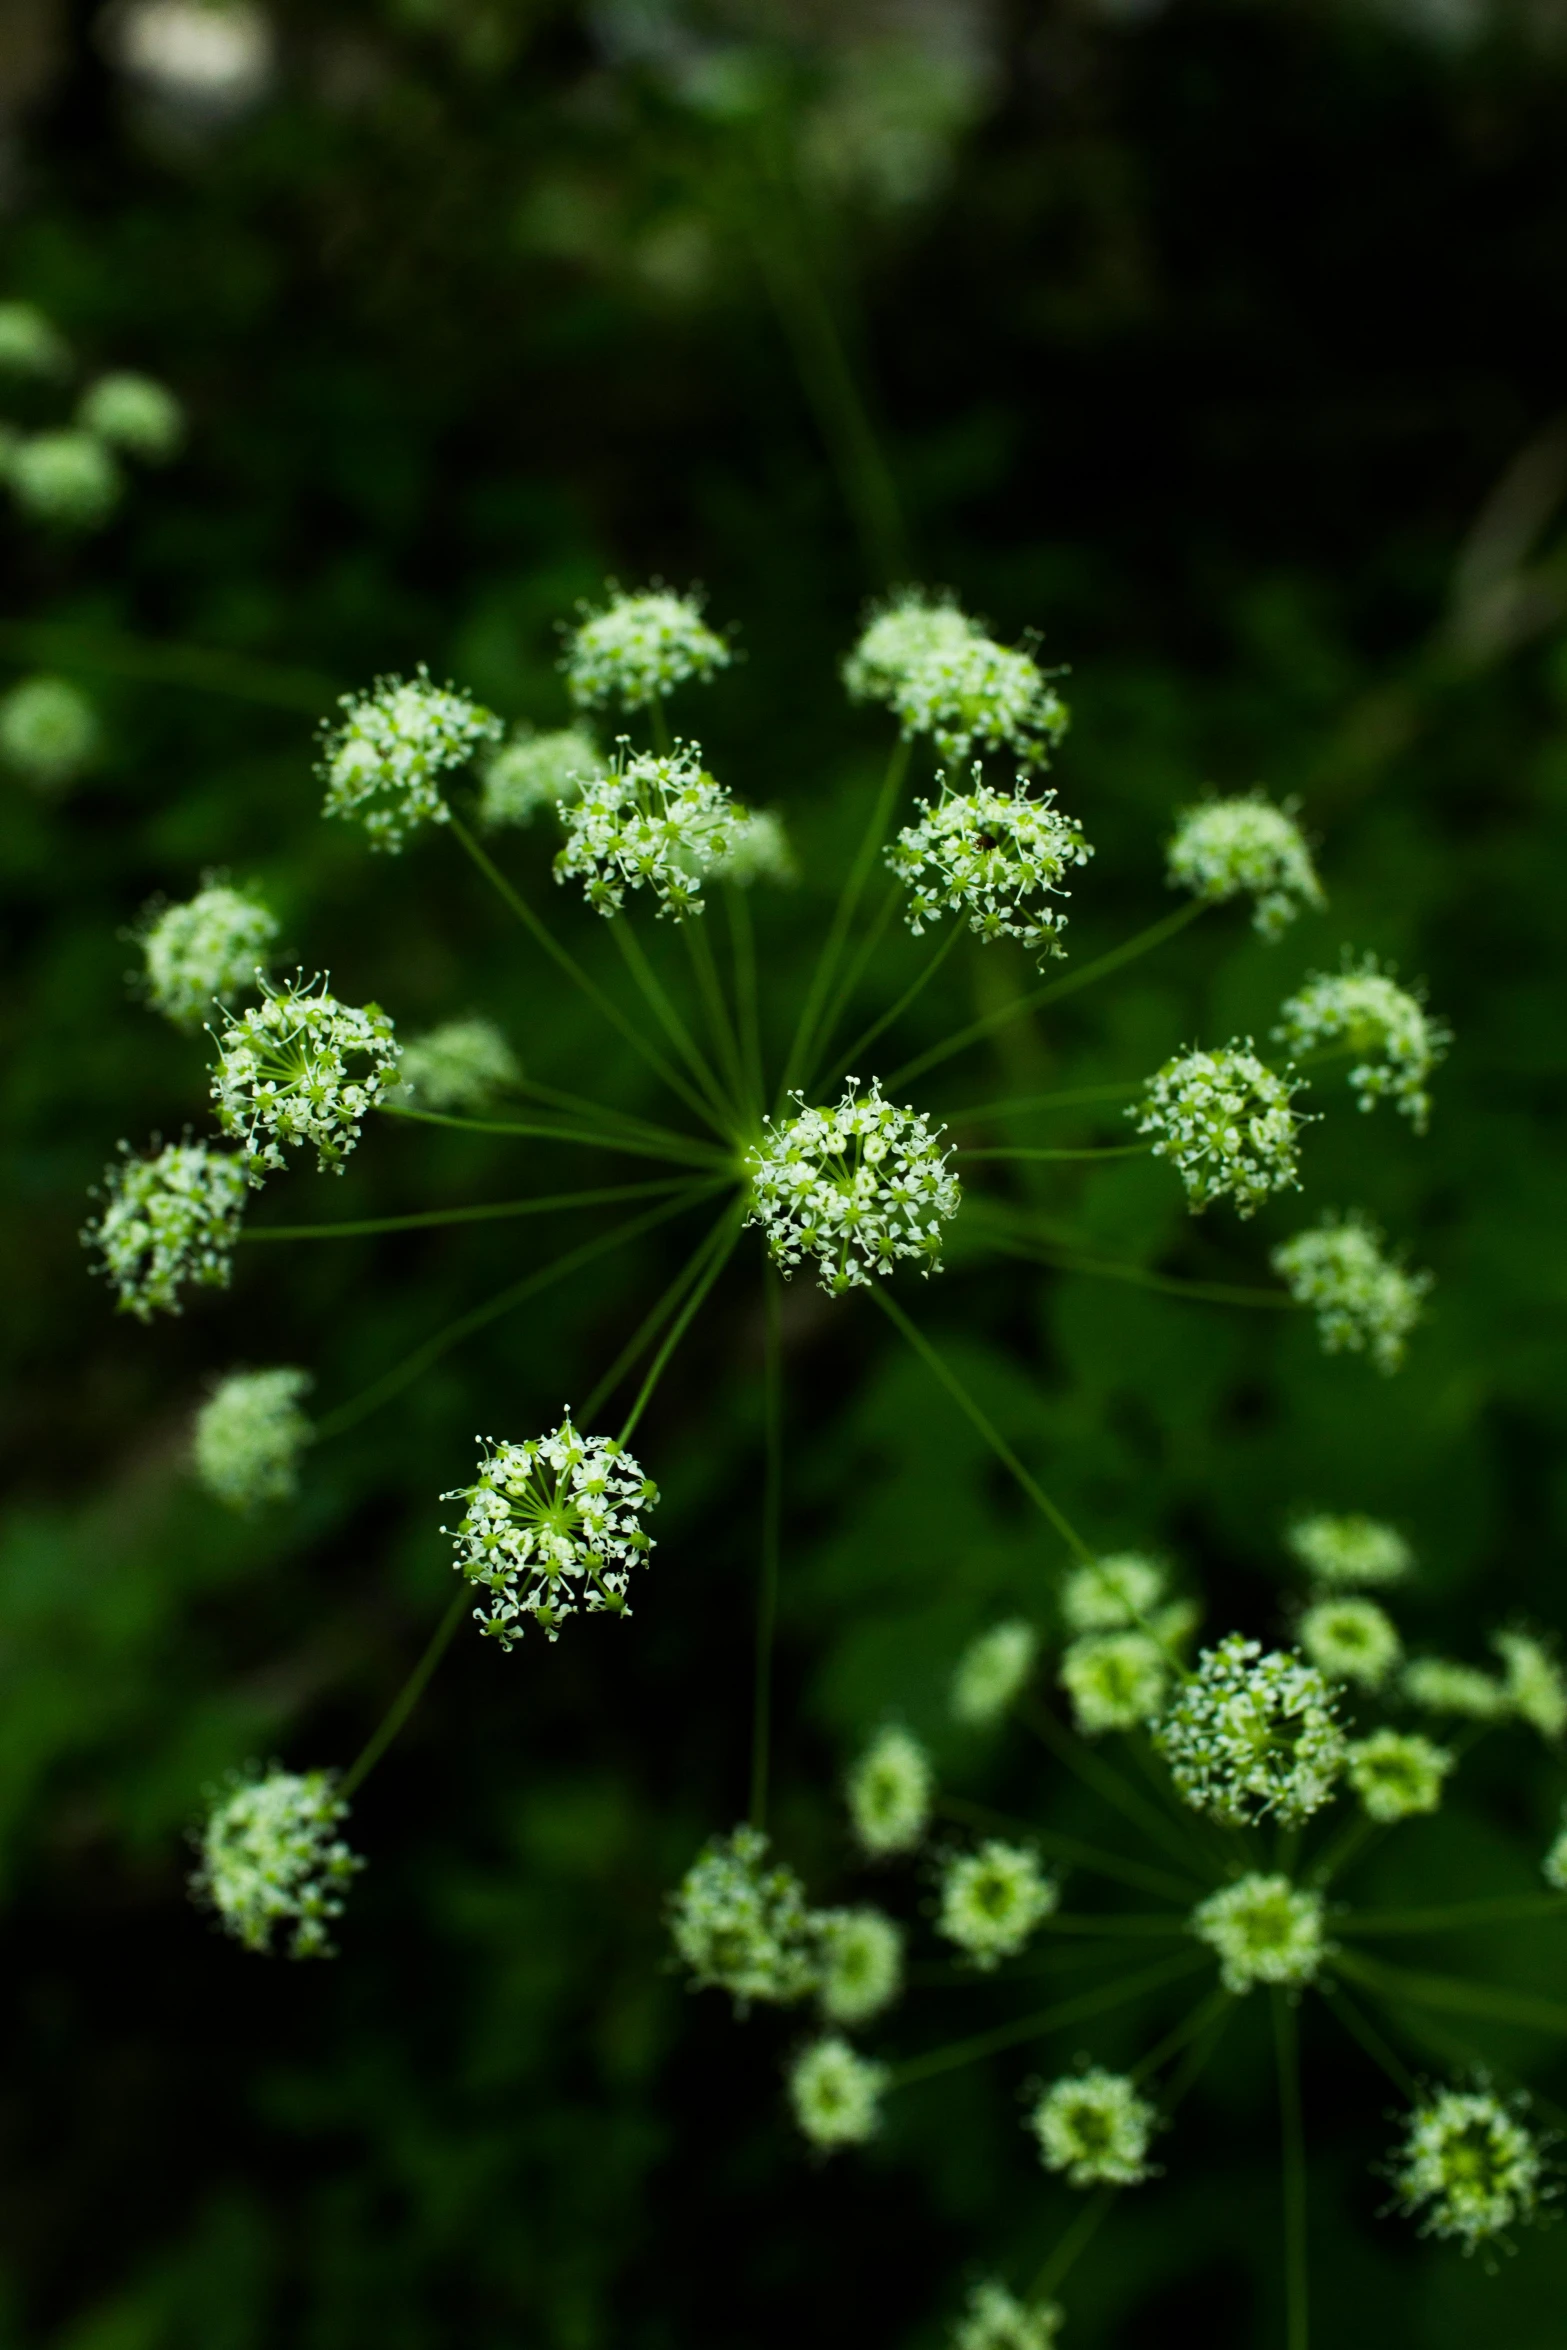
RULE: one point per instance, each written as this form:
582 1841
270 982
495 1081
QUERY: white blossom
383 761
66 478
1227 848
272 1859
639 648
941 675
992 1899
997 857
1111 1593
1364 1302
204 952
1364 1008
48 730
652 822
1224 1122
992 1671
552 1523
1469 2166
1397 1774
836 2094
1351 1640
462 1065
249 1435
1262 1930
742 1926
1249 1735
857 1188
996 2320
889 1793
135 414
1115 1680
535 771
759 851
861 1963
1438 1686
1536 1688
1093 2128
30 344
168 1220
285 1076
1344 1551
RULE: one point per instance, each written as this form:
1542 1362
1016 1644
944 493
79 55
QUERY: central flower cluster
282 1078
651 822
1224 1122
996 856
550 1520
1250 1734
857 1187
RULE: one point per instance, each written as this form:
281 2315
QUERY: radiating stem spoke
718 1112
804 1041
1049 2019
406 1699
648 1143
730 1230
911 993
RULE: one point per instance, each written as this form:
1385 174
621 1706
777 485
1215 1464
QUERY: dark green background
1204 361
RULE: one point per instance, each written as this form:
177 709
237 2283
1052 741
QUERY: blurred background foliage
1219 340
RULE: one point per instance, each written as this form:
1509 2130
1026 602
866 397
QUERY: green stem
1340 2004
804 1040
916 988
381 1390
658 728
1286 2044
721 1029
1075 1853
688 1312
1106 1783
1144 943
948 1378
1455 1915
1115 1925
1191 2027
1104 1150
573 970
1451 1995
1049 2019
1058 2266
1346 1846
602 1112
679 1149
844 991
772 1529
719 1114
651 1323
1078 1098
406 1699
1062 1260
427 1219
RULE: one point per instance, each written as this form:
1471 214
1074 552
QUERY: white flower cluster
996 2320
1438 1686
535 771
1262 1930
858 1188
1224 1122
1113 1592
68 479
992 1899
462 1065
992 1671
552 1523
639 648
1246 846
744 1927
650 822
205 952
860 1961
998 857
30 343
836 2094
1351 1640
133 413
1470 2167
167 1220
1094 2129
249 1435
383 761
1397 1774
889 1793
48 731
272 1856
1535 1688
941 675
759 851
1248 1735
1365 1009
1364 1302
1115 1680
1344 1552
283 1080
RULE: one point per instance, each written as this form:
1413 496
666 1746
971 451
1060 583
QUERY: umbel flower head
992 1899
743 1927
29 342
759 851
1397 1774
1111 1593
133 413
1470 2167
48 731
1364 1008
999 858
166 1221
462 1065
861 1960
552 1524
273 1860
1246 846
992 1671
639 648
1351 1640
204 952
535 771
1094 2129
383 761
1115 1680
1438 1686
1224 1122
68 479
836 2094
859 1188
286 1078
249 1435
1536 1689
650 822
1364 1302
996 2320
1344 1552
1262 1930
1248 1735
889 1792
941 675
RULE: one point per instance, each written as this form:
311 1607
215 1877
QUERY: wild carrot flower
742 1926
859 1188
272 1860
1224 1122
552 1524
1364 1007
203 953
997 858
1093 2128
1250 1735
1245 846
836 2094
382 763
285 1077
649 822
992 1671
992 1899
1364 1302
1262 1930
639 648
889 1792
1469 2167
249 1435
1397 1774
166 1221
